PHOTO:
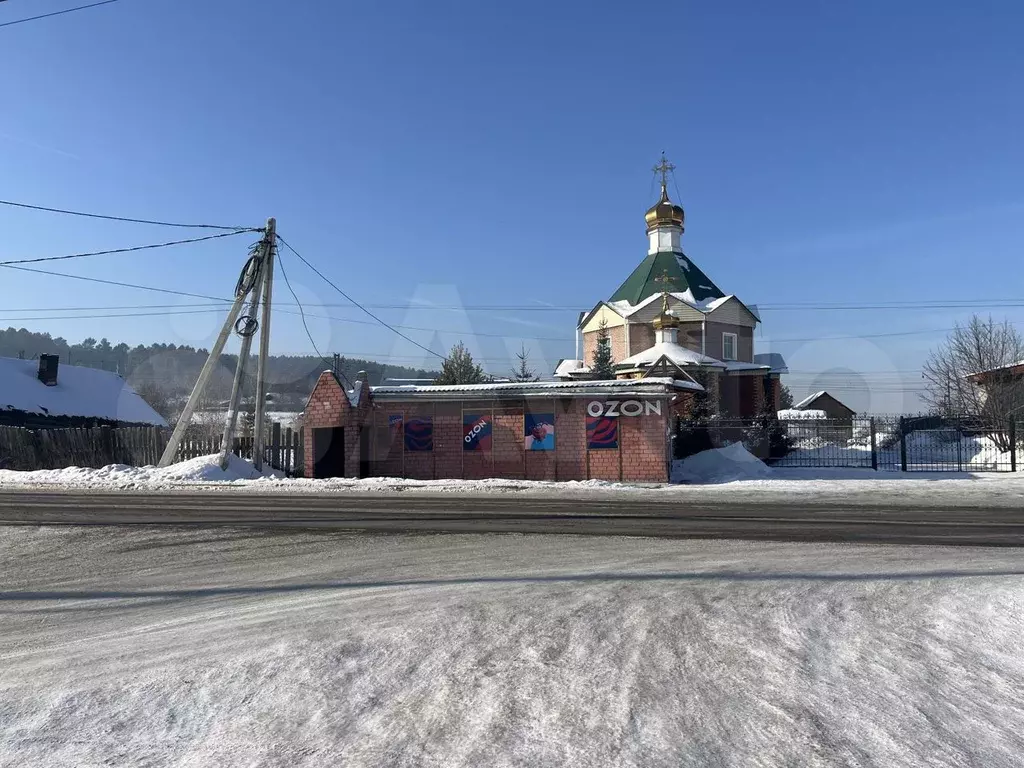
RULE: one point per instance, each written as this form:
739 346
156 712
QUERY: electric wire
356 303
302 314
118 283
127 219
120 250
57 13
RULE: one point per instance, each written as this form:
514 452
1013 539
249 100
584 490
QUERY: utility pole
250 282
259 431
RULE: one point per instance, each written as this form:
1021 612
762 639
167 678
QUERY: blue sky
490 154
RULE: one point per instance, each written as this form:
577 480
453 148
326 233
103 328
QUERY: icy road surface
142 647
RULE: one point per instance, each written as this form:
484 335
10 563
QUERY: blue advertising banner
602 432
419 435
476 432
540 431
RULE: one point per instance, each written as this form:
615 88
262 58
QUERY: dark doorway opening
329 452
364 452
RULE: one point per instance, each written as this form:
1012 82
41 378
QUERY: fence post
275 446
874 444
959 446
903 443
1013 443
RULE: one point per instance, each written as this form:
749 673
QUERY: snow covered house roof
569 367
674 353
774 360
82 393
531 389
808 400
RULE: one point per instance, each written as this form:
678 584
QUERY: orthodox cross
665 278
664 168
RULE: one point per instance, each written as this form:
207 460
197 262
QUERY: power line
126 218
57 13
115 283
356 303
302 314
121 250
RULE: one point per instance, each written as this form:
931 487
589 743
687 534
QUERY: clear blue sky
499 154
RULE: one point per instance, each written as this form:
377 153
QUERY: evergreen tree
785 397
524 372
603 366
459 368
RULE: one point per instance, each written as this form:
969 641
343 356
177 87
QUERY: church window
728 346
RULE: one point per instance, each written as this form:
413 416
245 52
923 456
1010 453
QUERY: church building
669 319
673 336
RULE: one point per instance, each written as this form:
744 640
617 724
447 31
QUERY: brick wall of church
617 337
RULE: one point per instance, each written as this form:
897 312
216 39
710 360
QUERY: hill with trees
168 372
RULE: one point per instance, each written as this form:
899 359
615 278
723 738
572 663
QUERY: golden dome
667 318
664 213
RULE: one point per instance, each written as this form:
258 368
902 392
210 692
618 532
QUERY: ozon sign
624 408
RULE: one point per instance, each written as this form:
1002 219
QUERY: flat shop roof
651 387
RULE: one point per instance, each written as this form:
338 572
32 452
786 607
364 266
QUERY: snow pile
205 469
792 414
719 465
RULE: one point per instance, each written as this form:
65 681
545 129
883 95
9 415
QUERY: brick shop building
577 430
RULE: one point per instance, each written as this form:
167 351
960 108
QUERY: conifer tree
604 365
459 368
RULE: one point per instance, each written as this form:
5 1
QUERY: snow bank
719 465
205 469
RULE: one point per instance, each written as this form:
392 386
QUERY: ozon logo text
476 430
624 408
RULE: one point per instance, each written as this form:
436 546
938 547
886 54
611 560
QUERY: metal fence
889 443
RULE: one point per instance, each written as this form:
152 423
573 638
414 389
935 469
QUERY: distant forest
168 372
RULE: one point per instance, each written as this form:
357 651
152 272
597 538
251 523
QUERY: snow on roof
534 388
792 414
706 306
736 365
354 393
808 400
675 353
1008 366
565 367
773 360
82 392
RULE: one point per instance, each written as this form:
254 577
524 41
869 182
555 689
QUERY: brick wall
642 443
617 337
329 406
641 454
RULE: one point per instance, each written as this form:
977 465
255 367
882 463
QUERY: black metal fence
891 443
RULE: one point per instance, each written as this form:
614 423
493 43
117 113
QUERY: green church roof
667 271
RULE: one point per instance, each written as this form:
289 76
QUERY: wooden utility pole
251 281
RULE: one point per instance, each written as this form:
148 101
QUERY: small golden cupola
664 213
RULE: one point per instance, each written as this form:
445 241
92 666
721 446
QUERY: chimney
48 369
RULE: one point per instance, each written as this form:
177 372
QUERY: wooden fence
29 449
79 447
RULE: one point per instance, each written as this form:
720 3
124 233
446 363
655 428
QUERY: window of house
728 346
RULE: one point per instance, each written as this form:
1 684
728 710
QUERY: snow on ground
759 483
719 465
139 647
926 449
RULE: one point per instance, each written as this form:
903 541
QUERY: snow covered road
220 647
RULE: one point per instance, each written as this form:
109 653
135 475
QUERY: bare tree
963 376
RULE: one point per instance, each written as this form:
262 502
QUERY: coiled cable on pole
247 324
